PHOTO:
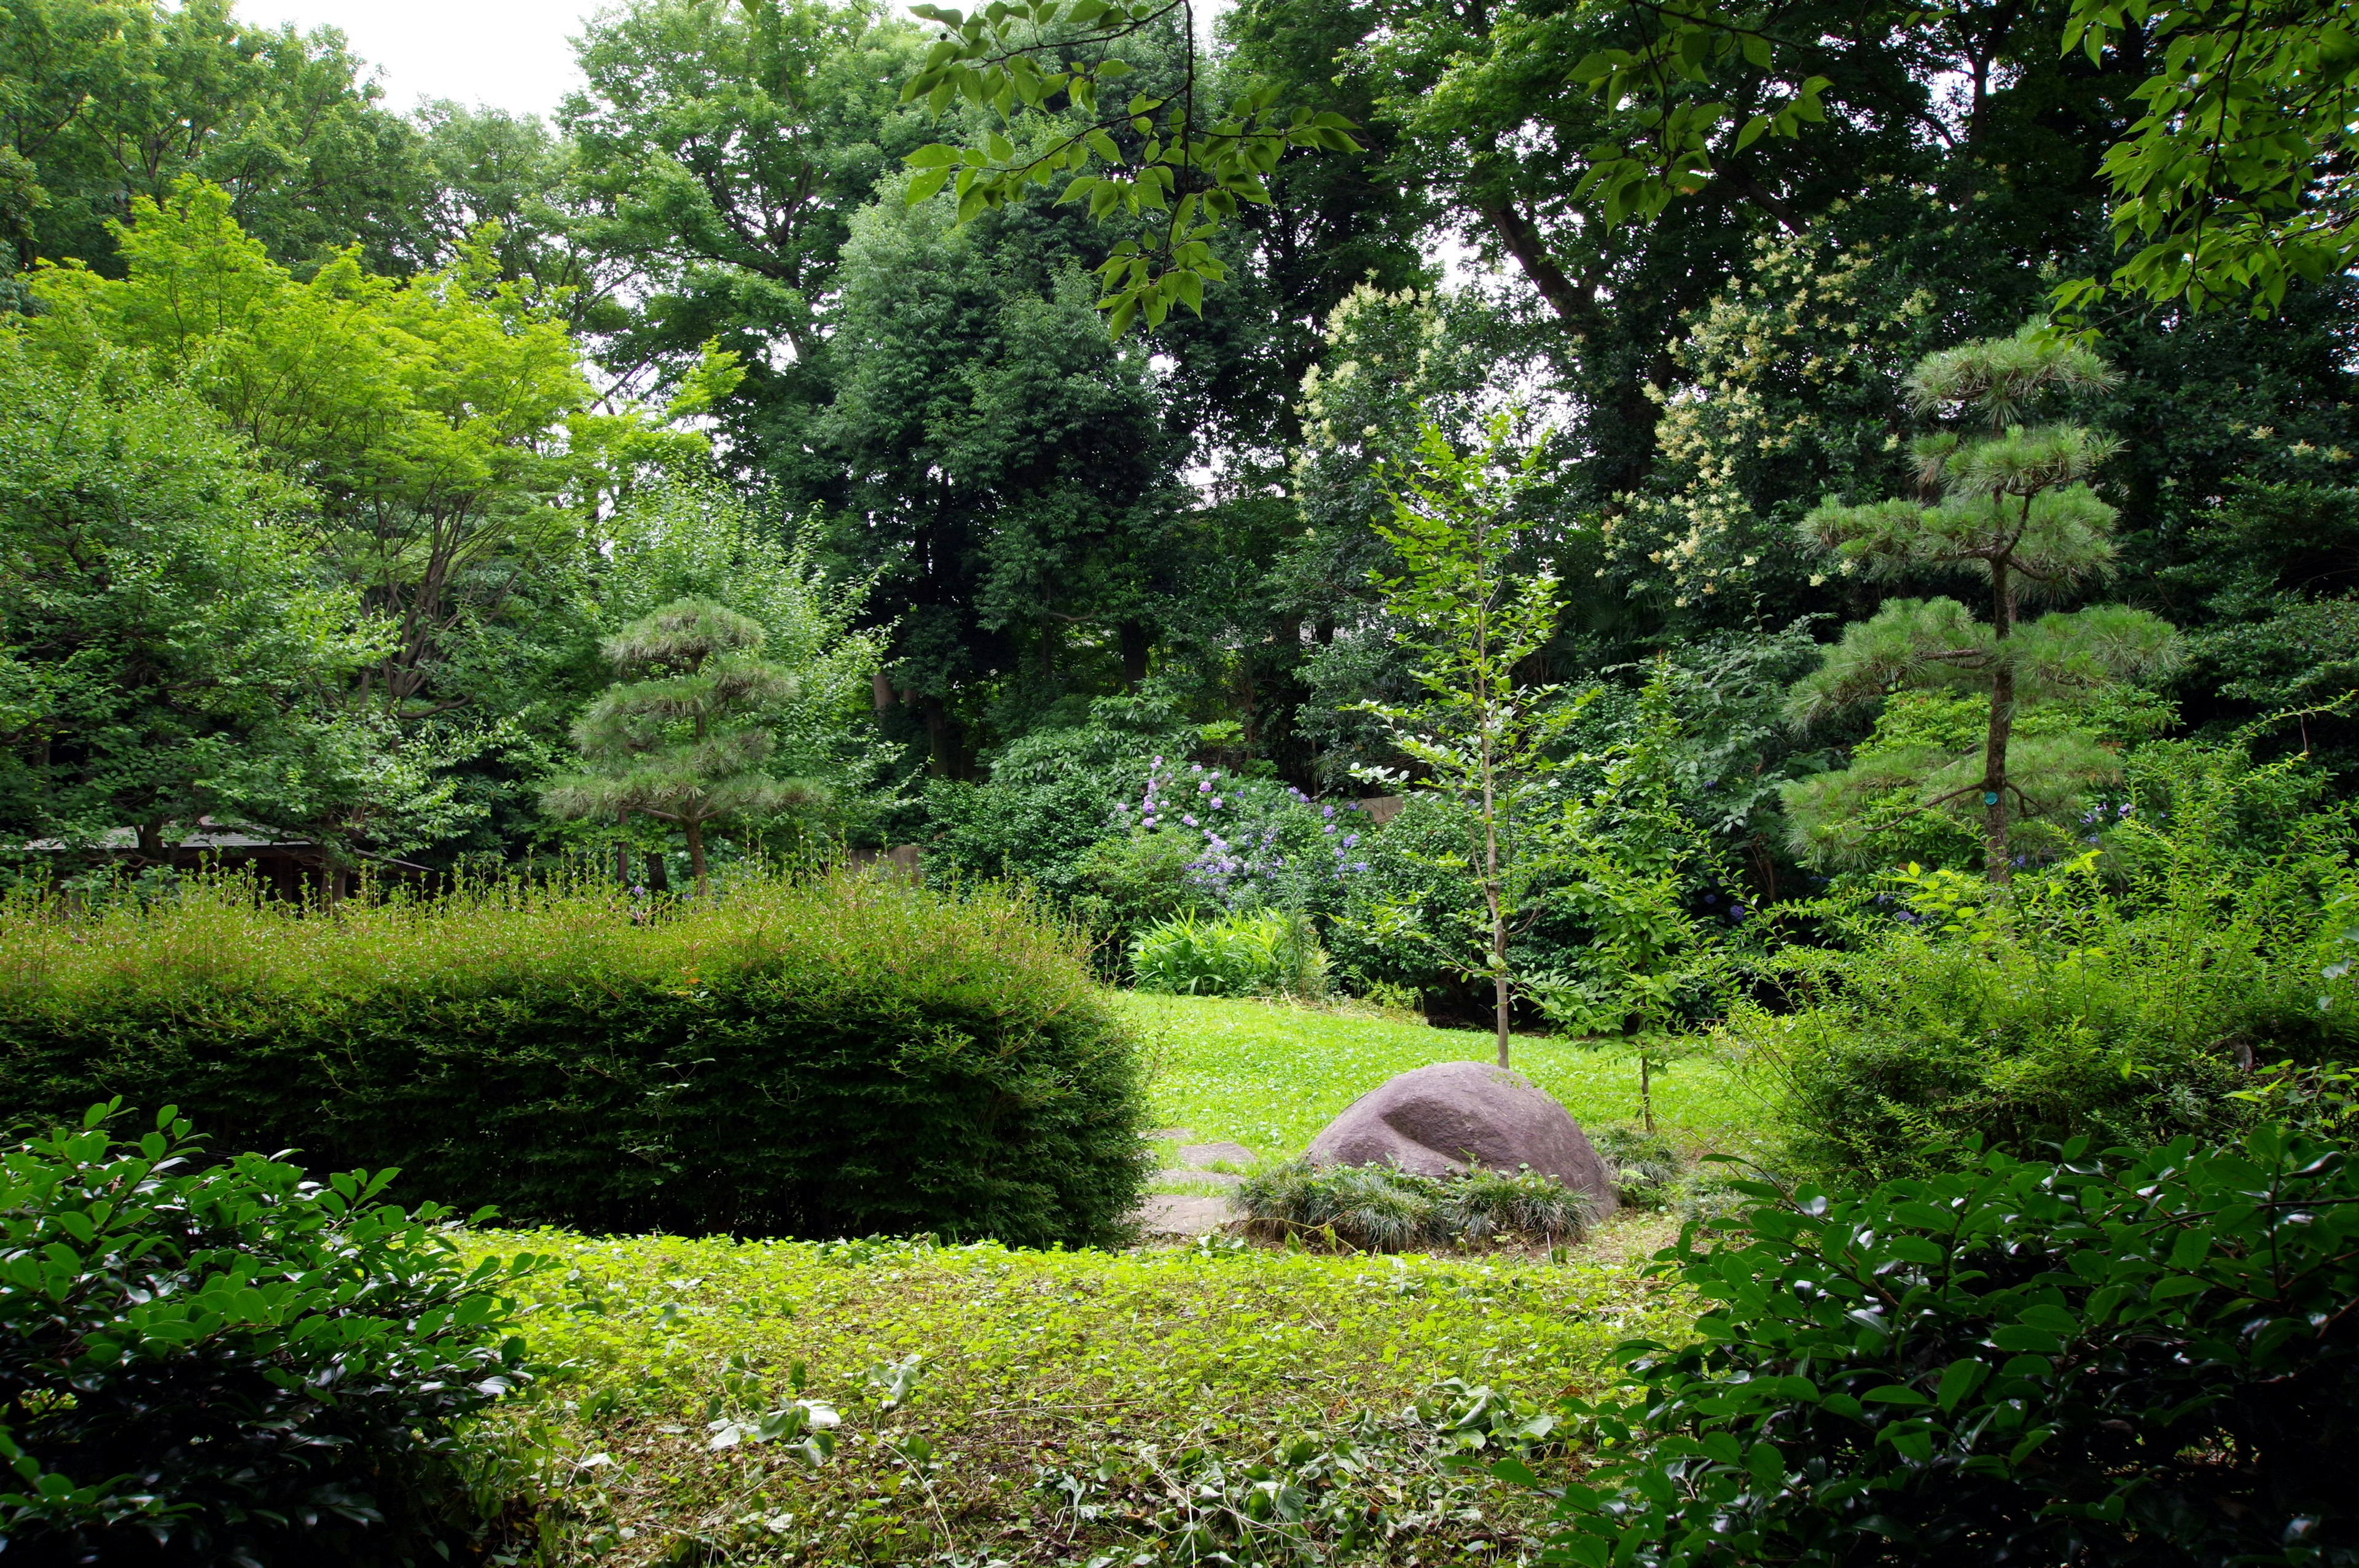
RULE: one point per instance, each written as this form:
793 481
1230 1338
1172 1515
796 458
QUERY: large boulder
1441 1119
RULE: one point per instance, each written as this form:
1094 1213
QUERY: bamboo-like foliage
679 737
2011 503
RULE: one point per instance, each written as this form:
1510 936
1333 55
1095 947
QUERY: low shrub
843 1056
2125 996
1264 953
1378 1209
227 1362
2110 1360
2064 1009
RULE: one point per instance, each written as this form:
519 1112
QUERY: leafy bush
2123 996
1378 1209
1261 954
2150 1359
1122 886
832 1057
228 1362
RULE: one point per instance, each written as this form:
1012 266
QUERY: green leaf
1960 1378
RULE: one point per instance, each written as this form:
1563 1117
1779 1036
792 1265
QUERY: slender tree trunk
1494 894
1134 643
695 831
658 872
2002 724
1645 1089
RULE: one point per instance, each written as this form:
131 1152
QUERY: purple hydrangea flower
1189 820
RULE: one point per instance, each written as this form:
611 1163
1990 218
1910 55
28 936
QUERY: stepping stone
1226 1153
1168 1214
1218 1178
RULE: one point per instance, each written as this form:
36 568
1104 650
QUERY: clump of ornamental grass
1647 1168
1381 1208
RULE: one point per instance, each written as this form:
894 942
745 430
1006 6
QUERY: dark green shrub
1376 1208
2066 1008
225 1362
1122 886
2149 1360
829 1058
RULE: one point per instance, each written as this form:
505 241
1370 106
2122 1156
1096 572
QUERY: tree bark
1135 645
1574 305
2002 725
942 748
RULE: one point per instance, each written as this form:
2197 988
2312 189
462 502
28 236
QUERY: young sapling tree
1484 741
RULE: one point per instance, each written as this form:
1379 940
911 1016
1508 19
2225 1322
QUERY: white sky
505 54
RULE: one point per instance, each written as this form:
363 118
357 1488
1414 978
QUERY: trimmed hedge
838 1057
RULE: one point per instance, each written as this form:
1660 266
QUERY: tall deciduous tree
443 421
103 101
166 650
680 738
2015 507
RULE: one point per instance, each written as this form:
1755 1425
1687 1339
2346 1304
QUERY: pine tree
677 737
2011 503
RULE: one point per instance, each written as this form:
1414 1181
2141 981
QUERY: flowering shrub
1259 842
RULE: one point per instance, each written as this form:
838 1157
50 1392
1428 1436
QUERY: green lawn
1270 1075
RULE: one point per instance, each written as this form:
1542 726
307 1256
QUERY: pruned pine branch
1190 168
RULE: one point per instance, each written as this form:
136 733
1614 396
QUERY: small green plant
229 1362
1262 953
1486 742
2102 1361
1647 1168
1376 1208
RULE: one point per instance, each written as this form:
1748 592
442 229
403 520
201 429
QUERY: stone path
1189 1214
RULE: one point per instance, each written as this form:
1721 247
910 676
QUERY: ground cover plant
843 1054
216 1359
1264 953
773 1402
